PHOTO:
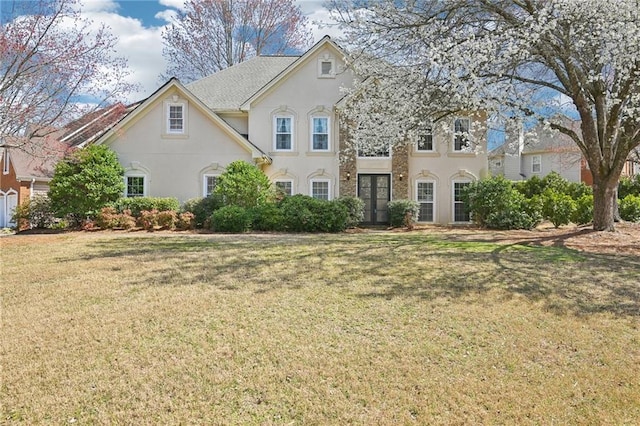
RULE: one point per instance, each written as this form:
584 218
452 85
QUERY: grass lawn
372 328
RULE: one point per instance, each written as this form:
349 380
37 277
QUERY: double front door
375 191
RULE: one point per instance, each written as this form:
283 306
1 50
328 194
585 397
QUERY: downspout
33 181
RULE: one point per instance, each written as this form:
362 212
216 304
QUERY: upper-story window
320 134
374 152
425 138
461 141
283 135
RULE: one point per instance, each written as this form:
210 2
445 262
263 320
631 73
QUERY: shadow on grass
387 266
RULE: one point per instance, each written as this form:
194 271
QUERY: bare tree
210 35
54 66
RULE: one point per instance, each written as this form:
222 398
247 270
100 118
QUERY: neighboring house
27 168
26 171
282 114
538 153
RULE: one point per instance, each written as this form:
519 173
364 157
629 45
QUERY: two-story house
282 113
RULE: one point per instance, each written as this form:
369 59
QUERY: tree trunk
604 194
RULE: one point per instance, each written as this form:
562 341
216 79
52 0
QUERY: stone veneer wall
400 165
348 187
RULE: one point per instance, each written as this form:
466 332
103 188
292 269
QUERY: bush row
110 218
297 213
500 204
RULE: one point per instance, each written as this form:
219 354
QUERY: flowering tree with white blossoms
533 60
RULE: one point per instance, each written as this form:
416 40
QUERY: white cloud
141 46
167 15
92 6
176 4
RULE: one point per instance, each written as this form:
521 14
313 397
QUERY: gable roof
236 87
325 41
256 152
230 88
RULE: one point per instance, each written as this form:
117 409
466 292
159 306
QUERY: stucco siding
302 96
174 165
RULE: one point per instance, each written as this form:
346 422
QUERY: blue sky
139 23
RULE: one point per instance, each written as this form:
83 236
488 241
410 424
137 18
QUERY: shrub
630 208
148 219
139 204
231 219
495 204
35 213
167 219
302 213
109 218
297 212
583 213
267 217
186 221
530 187
202 208
403 212
355 210
557 207
84 182
629 186
243 184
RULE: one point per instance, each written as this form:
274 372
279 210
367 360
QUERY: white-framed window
320 134
425 139
536 164
5 162
283 133
135 185
320 189
176 116
284 187
460 212
426 197
461 128
209 184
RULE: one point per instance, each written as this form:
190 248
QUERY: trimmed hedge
302 213
234 219
355 210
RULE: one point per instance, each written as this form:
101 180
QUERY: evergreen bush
403 212
630 208
234 219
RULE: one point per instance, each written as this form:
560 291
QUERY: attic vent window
326 68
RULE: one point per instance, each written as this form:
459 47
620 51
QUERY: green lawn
372 328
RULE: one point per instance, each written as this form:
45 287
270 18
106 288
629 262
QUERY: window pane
425 191
320 142
283 133
283 125
326 67
461 134
211 182
135 186
460 213
320 190
175 118
283 141
426 212
285 187
425 139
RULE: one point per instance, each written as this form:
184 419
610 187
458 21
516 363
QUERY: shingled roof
231 87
